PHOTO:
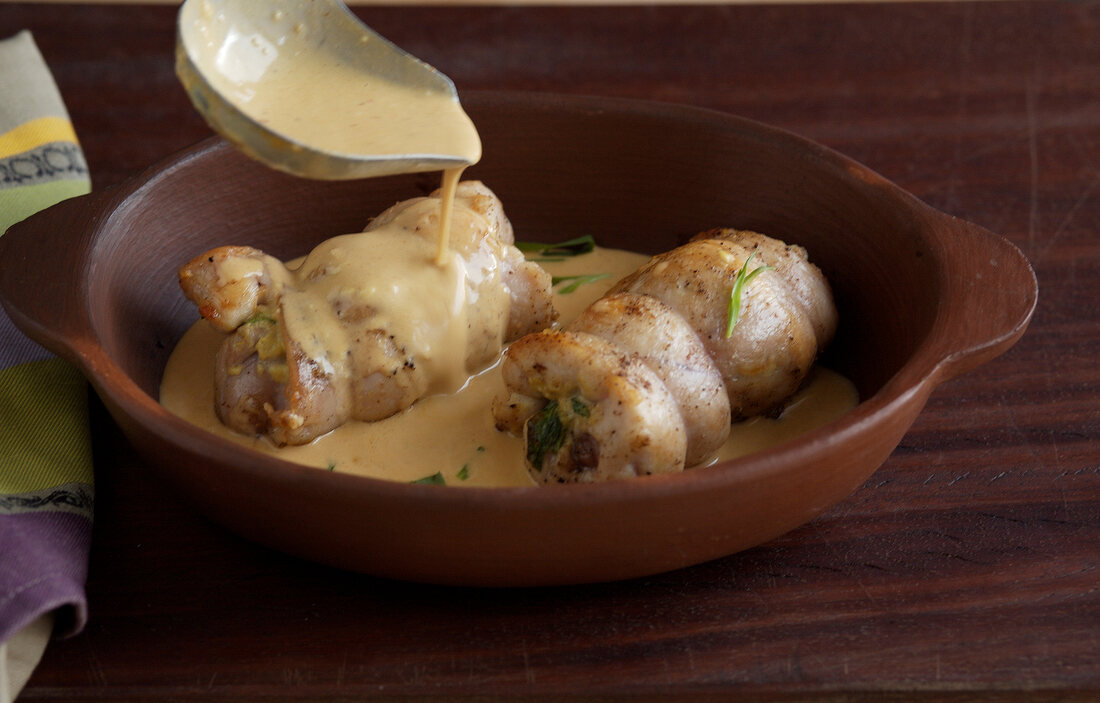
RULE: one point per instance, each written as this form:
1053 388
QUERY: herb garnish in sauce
577 281
560 251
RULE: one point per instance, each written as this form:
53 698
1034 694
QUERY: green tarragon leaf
560 251
577 281
744 277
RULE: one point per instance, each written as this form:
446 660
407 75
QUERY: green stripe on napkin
44 438
17 204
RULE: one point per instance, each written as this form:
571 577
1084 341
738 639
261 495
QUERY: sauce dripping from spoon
309 89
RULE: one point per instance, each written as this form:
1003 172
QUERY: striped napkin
45 449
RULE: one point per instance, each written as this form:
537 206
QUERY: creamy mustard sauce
449 313
386 279
453 434
447 189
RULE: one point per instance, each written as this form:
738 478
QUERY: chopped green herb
464 472
481 449
435 479
331 466
545 434
260 317
577 281
580 408
547 430
744 277
559 251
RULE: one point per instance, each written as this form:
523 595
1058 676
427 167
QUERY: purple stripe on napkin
44 568
15 348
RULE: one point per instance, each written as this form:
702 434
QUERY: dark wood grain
965 569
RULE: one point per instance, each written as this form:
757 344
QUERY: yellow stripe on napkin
36 133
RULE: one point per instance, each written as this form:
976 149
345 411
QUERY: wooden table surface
965 568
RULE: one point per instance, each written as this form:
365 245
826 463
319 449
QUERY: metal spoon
224 48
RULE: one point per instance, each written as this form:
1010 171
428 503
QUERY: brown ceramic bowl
922 297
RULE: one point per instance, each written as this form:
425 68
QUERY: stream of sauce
453 434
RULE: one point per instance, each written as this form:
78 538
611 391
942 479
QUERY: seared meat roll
587 411
787 314
673 316
643 327
369 322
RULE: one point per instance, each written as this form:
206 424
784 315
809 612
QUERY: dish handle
990 294
42 261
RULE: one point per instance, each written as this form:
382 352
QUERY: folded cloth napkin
45 448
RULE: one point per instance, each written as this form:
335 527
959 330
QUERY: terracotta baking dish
922 297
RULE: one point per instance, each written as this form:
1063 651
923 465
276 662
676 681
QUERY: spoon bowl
331 82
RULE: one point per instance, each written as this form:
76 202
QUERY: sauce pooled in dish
452 438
